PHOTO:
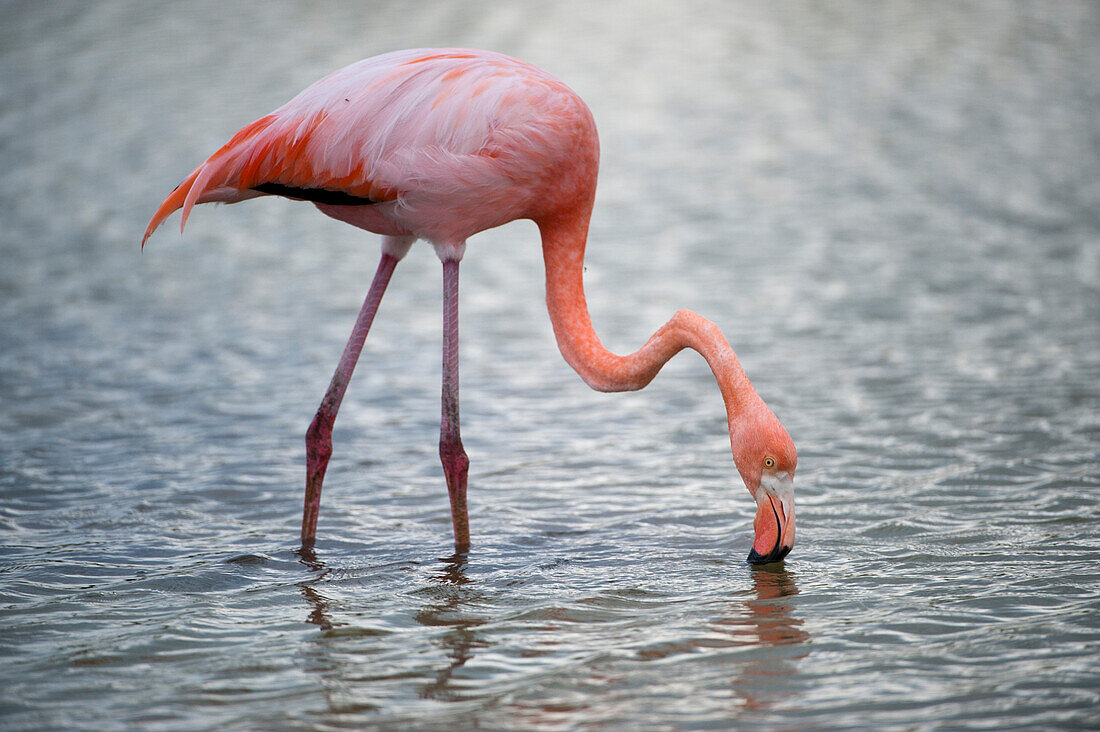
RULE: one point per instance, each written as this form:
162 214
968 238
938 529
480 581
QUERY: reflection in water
766 622
449 597
331 668
447 611
320 616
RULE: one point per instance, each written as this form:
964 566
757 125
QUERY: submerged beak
774 524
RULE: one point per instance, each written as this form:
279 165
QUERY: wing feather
421 129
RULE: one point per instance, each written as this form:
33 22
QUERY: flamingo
440 144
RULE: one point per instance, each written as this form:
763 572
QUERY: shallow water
891 210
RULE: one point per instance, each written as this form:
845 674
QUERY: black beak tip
775 555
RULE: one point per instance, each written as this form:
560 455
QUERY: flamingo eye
769 462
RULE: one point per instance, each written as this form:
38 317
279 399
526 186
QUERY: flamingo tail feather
172 203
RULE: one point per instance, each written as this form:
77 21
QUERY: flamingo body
434 144
440 144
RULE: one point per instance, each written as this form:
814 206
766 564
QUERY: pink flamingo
438 145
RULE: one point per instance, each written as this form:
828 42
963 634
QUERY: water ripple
889 210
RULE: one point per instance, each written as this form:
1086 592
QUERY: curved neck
563 243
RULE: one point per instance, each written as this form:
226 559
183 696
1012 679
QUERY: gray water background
890 209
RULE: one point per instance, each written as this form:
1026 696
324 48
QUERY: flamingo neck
563 243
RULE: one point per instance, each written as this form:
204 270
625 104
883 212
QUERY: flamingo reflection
321 613
449 609
766 622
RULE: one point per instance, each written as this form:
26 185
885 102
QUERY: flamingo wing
450 141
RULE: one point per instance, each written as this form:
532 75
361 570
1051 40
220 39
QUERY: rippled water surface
892 212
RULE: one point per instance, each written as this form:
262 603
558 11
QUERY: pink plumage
446 142
439 144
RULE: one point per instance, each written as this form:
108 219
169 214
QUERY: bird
441 144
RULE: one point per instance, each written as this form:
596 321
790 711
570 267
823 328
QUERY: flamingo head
766 459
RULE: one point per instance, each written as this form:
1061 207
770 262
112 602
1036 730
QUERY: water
891 210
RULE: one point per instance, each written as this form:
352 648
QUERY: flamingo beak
774 523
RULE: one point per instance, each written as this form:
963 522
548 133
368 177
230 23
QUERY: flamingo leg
456 464
319 434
